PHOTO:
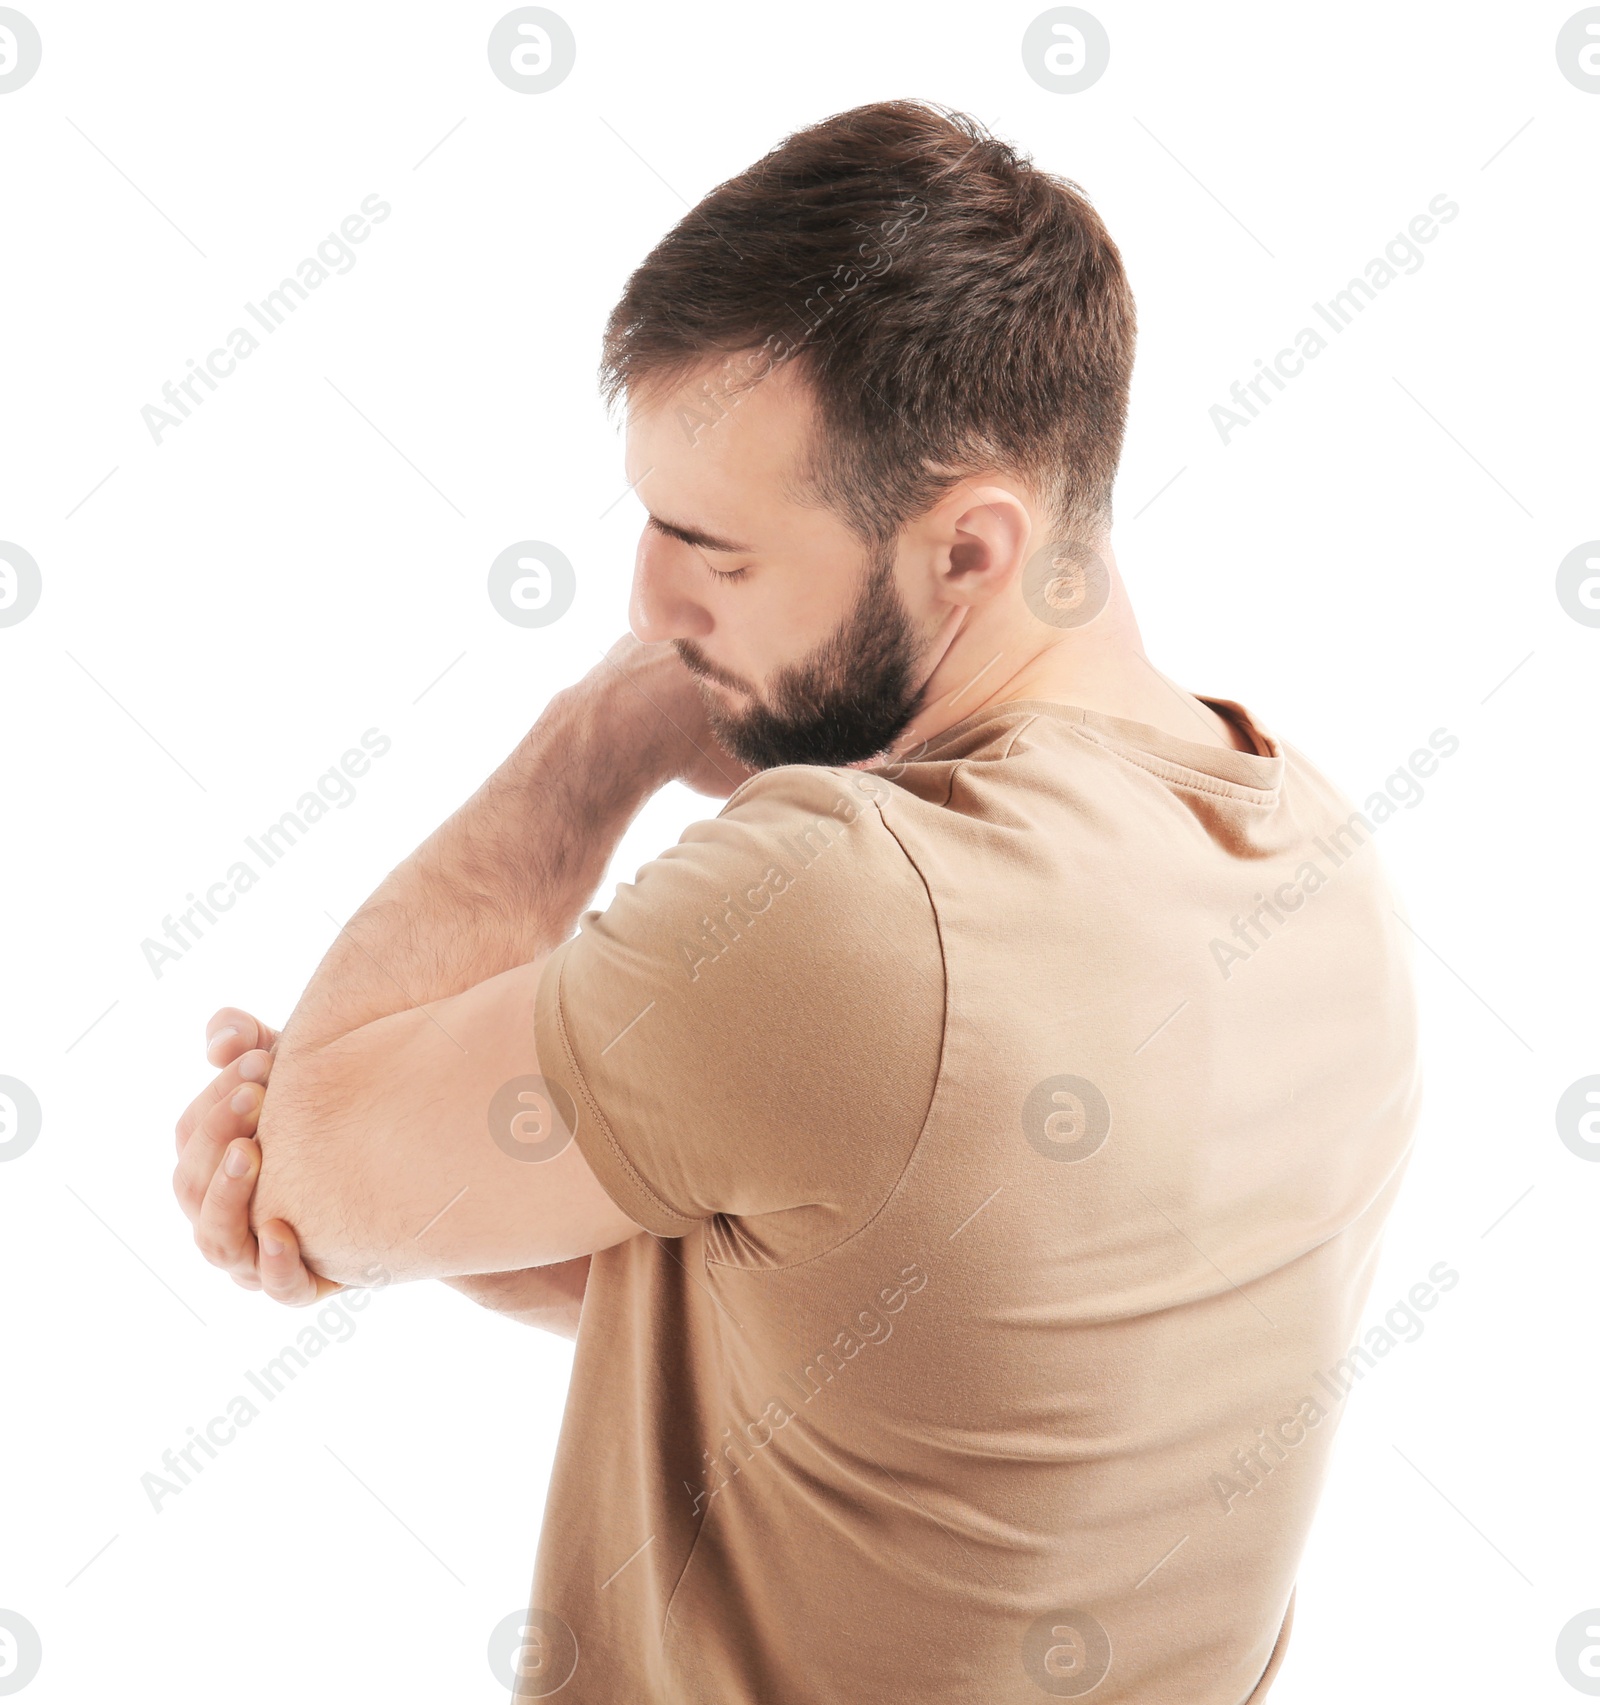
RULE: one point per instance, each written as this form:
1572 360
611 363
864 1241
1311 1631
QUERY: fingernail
243 1101
253 1066
270 1245
236 1163
221 1036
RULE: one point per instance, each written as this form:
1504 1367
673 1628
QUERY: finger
230 1031
252 1067
202 1153
222 1231
284 1275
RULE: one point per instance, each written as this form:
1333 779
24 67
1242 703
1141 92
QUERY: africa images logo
334 255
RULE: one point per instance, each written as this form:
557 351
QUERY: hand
657 688
219 1162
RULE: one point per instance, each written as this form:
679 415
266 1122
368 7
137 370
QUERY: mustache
697 663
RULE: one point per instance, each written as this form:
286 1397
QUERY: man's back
1018 1126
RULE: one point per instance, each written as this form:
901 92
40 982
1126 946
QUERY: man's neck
1099 667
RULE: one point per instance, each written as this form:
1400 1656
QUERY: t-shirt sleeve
753 1026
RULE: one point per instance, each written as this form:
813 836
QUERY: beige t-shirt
1014 1129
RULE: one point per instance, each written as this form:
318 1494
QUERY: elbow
306 1176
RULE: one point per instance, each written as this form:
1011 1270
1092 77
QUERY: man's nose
660 605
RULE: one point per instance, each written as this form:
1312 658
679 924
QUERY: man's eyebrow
694 536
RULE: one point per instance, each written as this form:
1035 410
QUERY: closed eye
701 542
695 536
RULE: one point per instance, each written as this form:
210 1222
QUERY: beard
844 702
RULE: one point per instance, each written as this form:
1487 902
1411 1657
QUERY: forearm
547 1297
372 1130
503 879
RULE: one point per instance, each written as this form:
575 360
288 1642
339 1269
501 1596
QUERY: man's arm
222 1120
547 1297
505 878
375 1133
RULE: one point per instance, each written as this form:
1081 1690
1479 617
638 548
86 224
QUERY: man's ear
982 532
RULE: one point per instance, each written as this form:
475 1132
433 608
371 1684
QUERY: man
955 1160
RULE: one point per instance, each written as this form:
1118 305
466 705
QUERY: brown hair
952 308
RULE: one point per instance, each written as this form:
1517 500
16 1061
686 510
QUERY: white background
305 559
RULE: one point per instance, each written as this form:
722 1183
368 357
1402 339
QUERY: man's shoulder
804 792
802 848
815 827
